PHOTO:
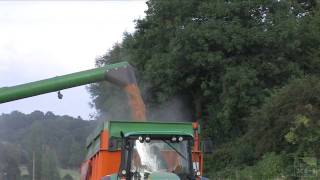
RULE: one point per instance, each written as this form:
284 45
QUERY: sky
43 39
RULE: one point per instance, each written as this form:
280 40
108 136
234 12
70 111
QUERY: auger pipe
121 74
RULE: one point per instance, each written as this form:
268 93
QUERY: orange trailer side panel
110 162
104 162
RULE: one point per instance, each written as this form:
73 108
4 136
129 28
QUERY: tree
67 177
46 138
49 166
224 57
76 154
35 144
9 161
113 104
288 122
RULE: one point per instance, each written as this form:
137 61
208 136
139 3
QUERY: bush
289 121
271 166
67 177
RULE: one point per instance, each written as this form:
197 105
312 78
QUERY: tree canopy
45 139
224 59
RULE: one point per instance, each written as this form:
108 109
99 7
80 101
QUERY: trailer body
105 149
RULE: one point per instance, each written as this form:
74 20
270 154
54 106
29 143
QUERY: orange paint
111 162
104 140
196 153
102 163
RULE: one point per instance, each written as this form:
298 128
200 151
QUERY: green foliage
49 166
67 177
225 58
286 128
35 145
271 166
9 161
74 173
116 107
232 62
289 120
55 141
76 154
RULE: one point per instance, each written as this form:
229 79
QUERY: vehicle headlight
123 172
174 139
148 139
180 139
140 138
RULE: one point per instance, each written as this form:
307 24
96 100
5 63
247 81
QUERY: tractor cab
154 155
131 150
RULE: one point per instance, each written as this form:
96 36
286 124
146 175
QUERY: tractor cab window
159 155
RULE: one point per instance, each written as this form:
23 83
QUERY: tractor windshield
161 155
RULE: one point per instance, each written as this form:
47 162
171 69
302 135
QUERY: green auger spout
120 73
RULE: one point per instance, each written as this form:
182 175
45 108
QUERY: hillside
60 139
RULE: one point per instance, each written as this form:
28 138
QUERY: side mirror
207 146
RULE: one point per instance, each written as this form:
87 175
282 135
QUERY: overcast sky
43 39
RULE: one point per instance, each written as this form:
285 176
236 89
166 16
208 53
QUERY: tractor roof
128 128
147 127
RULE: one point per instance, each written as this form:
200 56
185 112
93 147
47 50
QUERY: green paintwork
160 127
154 176
150 132
163 176
57 83
93 148
115 127
132 128
114 177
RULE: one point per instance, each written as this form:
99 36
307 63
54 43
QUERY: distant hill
54 140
